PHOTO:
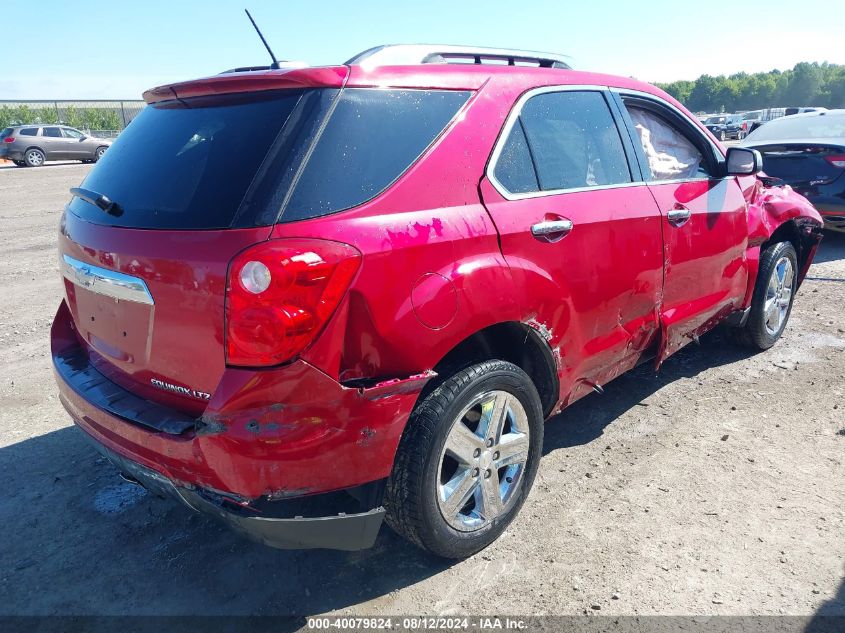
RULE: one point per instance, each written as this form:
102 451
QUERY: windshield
714 119
801 127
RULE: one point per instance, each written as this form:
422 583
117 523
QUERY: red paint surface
444 255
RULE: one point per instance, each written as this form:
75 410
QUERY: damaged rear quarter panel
296 430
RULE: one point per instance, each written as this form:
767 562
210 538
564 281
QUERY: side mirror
742 161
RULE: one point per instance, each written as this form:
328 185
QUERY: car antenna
275 63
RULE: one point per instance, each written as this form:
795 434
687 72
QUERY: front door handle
551 230
679 215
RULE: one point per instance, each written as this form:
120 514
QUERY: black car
724 127
807 151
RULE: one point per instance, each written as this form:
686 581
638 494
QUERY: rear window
6 132
800 127
187 165
29 131
239 161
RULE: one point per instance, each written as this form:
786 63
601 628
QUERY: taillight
279 296
9 139
745 126
837 160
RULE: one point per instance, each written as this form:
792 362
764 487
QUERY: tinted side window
574 141
29 131
514 167
52 132
372 137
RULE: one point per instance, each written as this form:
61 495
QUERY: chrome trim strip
506 130
106 282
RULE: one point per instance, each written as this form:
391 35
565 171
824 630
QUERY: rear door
704 222
55 145
581 234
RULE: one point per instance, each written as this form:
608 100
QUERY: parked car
33 145
807 151
312 304
751 121
724 127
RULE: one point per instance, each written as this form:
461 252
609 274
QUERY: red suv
306 300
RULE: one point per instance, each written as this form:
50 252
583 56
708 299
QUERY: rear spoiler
251 81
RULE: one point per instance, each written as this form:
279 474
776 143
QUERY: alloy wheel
34 158
778 295
483 461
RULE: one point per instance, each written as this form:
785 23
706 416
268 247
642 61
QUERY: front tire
771 304
722 135
467 460
99 153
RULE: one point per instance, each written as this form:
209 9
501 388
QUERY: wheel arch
801 234
514 342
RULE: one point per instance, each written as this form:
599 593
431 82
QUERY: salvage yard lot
716 486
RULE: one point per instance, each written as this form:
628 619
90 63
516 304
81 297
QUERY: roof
434 76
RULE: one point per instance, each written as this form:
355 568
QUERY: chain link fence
105 118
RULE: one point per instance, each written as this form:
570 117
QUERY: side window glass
52 132
71 133
669 153
514 168
29 131
574 141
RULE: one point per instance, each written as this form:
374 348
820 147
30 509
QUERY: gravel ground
716 486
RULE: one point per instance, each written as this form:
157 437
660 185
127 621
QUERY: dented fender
771 208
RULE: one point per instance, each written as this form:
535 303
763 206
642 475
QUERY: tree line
807 84
83 118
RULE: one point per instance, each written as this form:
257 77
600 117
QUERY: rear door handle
678 216
551 230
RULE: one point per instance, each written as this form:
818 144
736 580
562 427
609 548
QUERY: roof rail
413 54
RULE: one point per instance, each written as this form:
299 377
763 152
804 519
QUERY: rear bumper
10 154
265 437
833 216
339 531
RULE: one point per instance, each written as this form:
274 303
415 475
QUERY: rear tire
457 482
34 157
771 304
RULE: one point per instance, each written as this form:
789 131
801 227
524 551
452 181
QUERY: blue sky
113 49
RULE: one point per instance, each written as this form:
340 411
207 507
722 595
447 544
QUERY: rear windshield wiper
98 200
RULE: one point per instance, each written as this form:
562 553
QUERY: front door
75 144
704 222
581 237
